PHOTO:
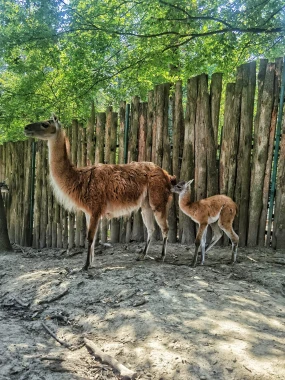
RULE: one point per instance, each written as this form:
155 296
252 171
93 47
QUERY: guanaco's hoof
160 259
140 258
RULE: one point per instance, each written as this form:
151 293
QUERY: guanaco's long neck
185 199
61 169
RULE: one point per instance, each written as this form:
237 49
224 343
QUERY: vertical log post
105 222
215 96
186 225
38 193
137 228
115 222
99 151
44 201
121 155
263 217
244 151
150 121
90 138
200 182
278 240
260 154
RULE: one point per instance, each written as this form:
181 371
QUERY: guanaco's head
182 187
43 130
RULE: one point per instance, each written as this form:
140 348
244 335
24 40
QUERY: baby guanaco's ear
188 184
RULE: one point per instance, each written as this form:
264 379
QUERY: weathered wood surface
186 225
278 239
260 152
215 97
242 190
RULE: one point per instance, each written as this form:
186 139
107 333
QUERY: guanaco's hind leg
161 219
217 234
226 224
200 241
234 239
92 225
148 219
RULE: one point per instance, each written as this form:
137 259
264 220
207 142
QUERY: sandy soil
164 321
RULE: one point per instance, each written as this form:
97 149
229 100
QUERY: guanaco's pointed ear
188 184
55 120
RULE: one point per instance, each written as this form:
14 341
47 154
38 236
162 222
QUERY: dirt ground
163 321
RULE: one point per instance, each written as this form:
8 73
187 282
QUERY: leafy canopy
58 55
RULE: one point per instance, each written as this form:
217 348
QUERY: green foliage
57 56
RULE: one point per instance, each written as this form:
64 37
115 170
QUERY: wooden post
178 128
211 140
78 214
230 139
234 139
121 155
150 121
186 225
20 198
154 124
137 228
105 222
27 189
228 136
83 163
244 151
167 163
122 117
159 124
99 153
278 240
200 182
260 154
100 137
263 217
90 138
73 137
115 222
38 194
215 96
142 133
44 210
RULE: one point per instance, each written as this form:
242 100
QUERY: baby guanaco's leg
200 240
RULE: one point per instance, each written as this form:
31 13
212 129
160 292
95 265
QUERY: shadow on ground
165 321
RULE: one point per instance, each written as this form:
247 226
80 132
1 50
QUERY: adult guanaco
217 211
106 190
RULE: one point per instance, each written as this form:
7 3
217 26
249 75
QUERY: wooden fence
180 130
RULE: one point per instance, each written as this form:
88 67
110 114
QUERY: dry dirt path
164 321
